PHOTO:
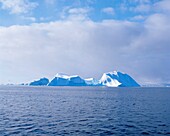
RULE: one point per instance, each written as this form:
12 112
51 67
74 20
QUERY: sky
40 38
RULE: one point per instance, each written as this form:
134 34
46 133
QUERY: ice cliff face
110 79
40 82
118 79
65 80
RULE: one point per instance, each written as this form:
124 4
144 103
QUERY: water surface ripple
84 111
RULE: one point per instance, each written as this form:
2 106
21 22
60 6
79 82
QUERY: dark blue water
84 111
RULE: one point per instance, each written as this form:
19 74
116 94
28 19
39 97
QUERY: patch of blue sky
52 10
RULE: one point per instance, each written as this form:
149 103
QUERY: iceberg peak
41 82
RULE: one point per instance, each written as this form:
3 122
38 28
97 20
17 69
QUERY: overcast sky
40 38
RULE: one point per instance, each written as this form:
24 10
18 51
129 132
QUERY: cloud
143 8
91 1
50 1
109 10
163 6
147 6
31 19
78 11
139 1
78 45
73 47
86 48
151 48
138 18
75 13
18 6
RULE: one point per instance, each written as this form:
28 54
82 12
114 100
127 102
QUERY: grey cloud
162 6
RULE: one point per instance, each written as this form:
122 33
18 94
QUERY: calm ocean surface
82 111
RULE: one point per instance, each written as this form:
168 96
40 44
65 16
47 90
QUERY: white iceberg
118 79
110 79
65 80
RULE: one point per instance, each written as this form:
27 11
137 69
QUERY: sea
84 111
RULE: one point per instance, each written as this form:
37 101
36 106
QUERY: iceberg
76 81
65 80
118 79
110 79
41 82
92 82
59 80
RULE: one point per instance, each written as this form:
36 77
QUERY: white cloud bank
78 45
87 48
